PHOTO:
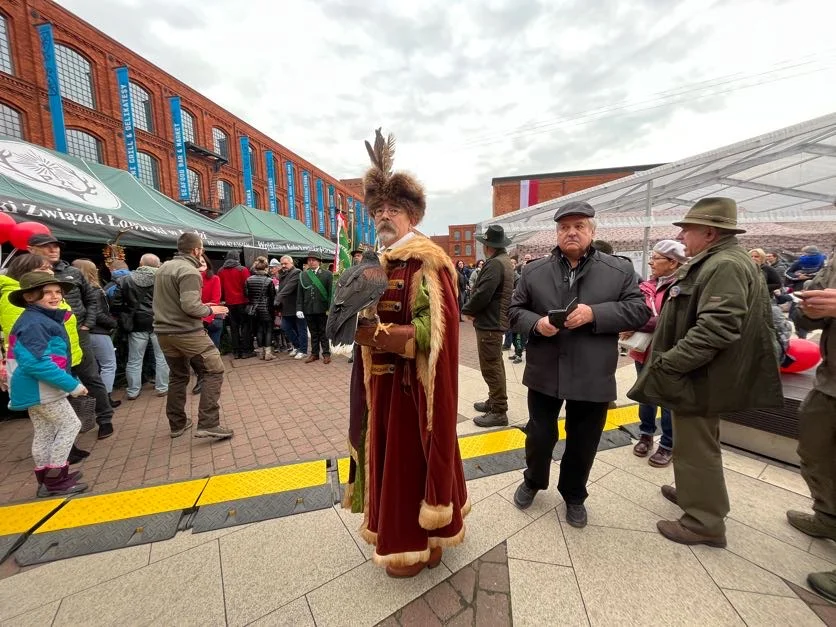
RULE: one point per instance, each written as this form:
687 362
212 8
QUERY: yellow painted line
342 469
242 485
21 518
622 416
491 443
104 508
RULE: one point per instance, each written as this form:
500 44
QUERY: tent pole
648 212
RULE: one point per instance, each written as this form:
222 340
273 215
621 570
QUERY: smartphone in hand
557 317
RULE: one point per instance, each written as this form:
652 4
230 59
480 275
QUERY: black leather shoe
576 515
105 431
491 419
524 496
483 407
77 455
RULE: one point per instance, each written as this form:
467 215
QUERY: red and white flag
528 192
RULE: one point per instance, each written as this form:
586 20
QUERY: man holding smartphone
817 424
573 304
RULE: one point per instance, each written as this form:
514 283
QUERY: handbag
639 341
85 408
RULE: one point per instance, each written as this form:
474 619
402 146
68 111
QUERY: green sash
319 286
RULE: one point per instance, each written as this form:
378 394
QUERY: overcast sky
475 89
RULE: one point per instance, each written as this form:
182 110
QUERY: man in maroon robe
407 474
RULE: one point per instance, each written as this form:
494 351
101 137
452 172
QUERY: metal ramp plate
18 520
255 495
104 522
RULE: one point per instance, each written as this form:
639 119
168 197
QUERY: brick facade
506 190
25 91
460 243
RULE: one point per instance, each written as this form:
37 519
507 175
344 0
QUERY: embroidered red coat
414 492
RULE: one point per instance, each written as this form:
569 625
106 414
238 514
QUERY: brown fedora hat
32 281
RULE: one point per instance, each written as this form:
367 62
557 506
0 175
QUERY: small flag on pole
342 256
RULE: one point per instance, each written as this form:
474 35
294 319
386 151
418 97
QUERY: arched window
224 194
149 169
10 122
84 145
194 186
220 142
253 160
5 53
141 106
188 126
256 200
75 74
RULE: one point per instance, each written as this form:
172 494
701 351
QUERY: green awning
276 233
85 201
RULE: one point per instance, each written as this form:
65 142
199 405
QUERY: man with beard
404 388
82 300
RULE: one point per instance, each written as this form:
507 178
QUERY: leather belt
380 369
389 305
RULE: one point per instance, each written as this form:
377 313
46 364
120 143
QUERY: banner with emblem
291 190
342 257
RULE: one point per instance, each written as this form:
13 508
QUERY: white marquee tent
783 179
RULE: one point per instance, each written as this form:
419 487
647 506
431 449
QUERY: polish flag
528 192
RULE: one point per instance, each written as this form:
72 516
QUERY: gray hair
286 258
150 260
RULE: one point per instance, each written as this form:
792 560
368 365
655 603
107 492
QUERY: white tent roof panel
785 176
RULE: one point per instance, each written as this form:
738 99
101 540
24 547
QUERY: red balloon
21 232
806 354
7 223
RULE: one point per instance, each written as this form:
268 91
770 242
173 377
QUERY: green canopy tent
275 233
85 201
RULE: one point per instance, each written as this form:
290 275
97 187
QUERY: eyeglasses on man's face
391 211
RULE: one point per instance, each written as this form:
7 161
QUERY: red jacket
210 294
232 284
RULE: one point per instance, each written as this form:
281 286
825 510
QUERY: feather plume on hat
383 186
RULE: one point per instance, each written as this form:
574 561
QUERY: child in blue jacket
39 363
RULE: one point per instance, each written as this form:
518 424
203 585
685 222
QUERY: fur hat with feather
383 186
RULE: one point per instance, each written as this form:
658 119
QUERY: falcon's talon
382 327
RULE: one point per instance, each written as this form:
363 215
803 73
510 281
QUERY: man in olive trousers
713 352
817 425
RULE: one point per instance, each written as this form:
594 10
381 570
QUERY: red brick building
87 60
460 242
511 193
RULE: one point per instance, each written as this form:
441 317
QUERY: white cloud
478 89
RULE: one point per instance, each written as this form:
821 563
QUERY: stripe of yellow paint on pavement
342 469
104 508
242 485
21 518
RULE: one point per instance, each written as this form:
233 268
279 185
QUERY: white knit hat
671 249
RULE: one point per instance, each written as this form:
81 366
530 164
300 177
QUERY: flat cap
671 249
576 208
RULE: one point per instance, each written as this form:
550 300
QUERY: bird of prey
358 291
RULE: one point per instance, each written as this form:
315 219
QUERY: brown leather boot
403 572
326 359
643 446
311 358
675 531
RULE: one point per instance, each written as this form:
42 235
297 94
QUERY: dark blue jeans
214 329
647 418
296 330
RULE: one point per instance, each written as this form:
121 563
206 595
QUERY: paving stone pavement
479 594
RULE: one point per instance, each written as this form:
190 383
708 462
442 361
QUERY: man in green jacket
313 299
817 424
713 352
488 309
178 323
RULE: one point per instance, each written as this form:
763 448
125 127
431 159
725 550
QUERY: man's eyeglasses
392 211
658 258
